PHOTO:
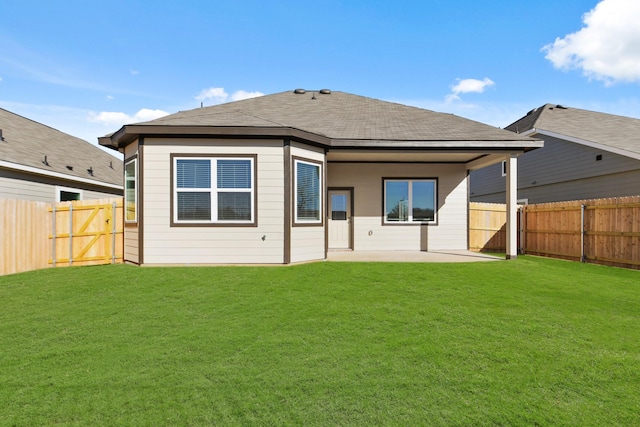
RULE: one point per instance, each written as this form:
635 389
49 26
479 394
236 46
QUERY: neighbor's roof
335 119
25 144
616 132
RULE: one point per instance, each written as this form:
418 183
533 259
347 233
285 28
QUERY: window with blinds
308 195
214 190
130 197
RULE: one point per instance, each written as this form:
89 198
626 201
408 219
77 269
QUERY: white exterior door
339 219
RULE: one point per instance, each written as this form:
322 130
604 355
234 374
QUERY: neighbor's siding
449 233
210 245
20 186
561 171
307 243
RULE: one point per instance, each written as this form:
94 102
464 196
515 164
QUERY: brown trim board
286 153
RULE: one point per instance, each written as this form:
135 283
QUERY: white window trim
214 190
135 193
304 221
504 168
68 190
410 219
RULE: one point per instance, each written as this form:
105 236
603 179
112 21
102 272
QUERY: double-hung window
308 194
409 200
216 190
130 196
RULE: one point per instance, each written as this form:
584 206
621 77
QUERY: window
409 200
308 197
214 190
504 168
130 197
339 207
64 194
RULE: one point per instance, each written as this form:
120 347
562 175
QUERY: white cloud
110 98
113 118
134 72
241 94
607 48
217 95
146 114
468 86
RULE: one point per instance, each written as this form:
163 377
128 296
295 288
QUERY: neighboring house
285 178
586 155
43 164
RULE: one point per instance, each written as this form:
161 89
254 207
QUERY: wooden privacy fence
23 240
487 226
38 235
602 231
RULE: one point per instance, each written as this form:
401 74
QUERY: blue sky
88 67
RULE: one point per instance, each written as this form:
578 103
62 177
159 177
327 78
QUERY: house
40 163
586 155
287 177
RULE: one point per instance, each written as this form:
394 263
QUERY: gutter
37 171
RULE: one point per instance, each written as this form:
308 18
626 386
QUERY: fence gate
86 233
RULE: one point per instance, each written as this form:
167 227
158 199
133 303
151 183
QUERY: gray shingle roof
339 117
26 142
607 129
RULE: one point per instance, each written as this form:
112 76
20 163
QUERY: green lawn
527 342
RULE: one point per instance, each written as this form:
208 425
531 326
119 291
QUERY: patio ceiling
416 156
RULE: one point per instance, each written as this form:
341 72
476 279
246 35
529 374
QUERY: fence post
53 234
582 257
70 233
113 232
521 229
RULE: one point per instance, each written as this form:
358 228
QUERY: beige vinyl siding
307 242
213 245
131 252
450 231
561 171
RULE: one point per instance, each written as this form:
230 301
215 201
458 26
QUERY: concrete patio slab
409 256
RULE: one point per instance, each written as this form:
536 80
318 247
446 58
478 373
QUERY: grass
527 342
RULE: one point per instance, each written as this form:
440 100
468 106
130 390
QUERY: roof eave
130 133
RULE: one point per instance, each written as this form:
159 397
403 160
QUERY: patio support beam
512 206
